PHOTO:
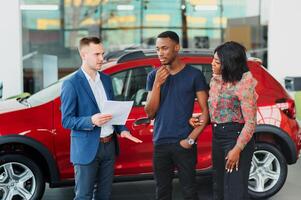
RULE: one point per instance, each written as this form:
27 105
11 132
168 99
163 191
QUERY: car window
129 85
119 81
206 69
47 94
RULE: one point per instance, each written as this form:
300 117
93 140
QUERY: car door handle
142 121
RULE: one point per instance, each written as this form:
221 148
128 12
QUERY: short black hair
233 58
170 34
85 41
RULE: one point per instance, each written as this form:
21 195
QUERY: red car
34 147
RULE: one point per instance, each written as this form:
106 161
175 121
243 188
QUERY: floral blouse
234 102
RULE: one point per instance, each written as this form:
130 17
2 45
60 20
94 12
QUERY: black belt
226 124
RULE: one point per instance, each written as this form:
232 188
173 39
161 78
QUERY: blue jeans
94 180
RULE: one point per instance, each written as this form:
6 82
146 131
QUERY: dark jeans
94 180
230 186
166 158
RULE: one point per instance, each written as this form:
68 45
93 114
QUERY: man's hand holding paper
119 110
99 119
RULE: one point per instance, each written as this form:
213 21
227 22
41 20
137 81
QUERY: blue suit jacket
78 106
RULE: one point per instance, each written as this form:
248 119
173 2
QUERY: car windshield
47 94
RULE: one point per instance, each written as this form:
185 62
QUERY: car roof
130 55
123 56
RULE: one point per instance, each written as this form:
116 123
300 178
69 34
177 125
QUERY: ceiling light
125 7
205 7
39 7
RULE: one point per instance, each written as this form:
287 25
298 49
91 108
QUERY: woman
232 107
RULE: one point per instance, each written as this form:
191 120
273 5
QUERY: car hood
10 105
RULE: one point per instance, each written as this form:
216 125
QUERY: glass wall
52 29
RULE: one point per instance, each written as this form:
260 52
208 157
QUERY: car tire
20 178
268 171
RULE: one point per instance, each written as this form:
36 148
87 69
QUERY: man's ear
82 54
177 47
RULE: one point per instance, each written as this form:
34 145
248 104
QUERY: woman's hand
196 121
233 159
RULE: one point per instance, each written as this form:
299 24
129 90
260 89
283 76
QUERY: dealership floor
145 189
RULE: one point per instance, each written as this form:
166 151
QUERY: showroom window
52 29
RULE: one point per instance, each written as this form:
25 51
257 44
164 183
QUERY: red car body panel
35 122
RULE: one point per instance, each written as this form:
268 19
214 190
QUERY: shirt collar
97 78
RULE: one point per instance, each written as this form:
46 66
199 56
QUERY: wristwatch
190 141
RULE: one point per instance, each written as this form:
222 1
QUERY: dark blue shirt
176 104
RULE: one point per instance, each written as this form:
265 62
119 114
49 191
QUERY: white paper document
120 111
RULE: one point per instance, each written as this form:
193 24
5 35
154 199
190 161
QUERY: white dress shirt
100 97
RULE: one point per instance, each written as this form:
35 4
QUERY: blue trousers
94 180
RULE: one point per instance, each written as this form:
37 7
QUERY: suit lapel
85 84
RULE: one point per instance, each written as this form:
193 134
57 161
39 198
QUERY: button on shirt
100 97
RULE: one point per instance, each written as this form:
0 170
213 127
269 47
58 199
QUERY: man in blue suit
93 142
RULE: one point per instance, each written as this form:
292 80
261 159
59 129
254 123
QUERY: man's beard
169 62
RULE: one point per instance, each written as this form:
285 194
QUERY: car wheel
268 171
20 178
